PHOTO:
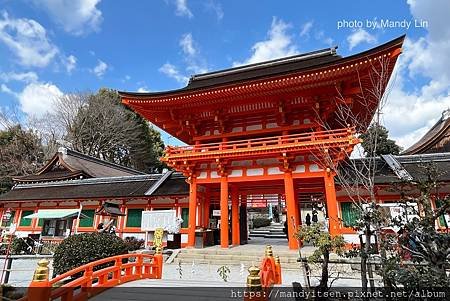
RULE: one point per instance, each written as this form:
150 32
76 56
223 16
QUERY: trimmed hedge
261 222
77 250
133 243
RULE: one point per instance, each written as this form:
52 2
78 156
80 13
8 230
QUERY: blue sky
52 47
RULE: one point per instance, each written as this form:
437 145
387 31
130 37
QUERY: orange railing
93 277
345 135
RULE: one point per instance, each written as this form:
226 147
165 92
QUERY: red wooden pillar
291 216
235 216
224 211
297 208
206 207
332 209
192 211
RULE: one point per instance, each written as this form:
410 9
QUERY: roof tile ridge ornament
282 60
62 150
445 114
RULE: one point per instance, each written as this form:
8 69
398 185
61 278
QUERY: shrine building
265 134
268 128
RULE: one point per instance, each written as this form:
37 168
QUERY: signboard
158 238
151 220
399 212
216 212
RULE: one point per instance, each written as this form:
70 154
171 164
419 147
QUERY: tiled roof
437 139
110 187
69 164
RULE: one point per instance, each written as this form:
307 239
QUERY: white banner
165 219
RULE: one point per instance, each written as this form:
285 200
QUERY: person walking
285 229
276 214
314 216
308 219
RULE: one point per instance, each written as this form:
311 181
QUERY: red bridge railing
94 278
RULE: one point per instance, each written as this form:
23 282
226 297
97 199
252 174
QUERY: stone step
240 258
259 232
277 236
291 265
230 251
266 232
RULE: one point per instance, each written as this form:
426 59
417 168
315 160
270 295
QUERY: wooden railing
92 278
311 139
260 281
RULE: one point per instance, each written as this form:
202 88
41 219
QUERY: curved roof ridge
324 57
432 136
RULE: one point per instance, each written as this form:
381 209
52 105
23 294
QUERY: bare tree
357 177
54 126
21 152
99 125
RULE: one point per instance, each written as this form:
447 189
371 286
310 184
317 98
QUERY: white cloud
5 89
100 69
306 28
70 63
28 40
320 36
75 16
37 98
360 36
278 44
172 72
26 77
215 7
182 9
187 44
410 113
194 62
143 90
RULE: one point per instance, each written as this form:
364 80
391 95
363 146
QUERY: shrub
133 243
261 222
80 249
19 246
10 292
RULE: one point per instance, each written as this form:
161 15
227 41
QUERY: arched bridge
90 279
93 278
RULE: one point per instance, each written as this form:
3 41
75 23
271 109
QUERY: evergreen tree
376 142
21 153
104 128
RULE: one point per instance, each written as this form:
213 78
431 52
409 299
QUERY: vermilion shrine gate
265 128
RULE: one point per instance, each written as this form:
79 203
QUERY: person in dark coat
276 215
285 229
308 219
100 228
314 216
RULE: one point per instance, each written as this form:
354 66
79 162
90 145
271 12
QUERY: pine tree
376 140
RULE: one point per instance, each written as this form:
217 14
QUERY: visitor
285 229
112 230
276 214
308 220
314 216
100 228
